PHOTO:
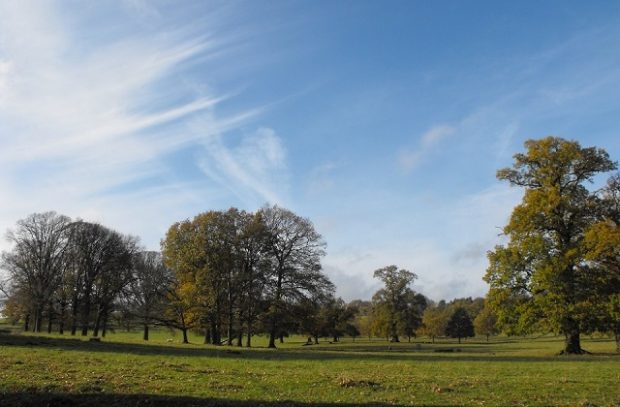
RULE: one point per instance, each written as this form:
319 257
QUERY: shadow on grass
338 352
24 399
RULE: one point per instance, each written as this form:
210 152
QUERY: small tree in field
460 325
392 299
486 323
434 321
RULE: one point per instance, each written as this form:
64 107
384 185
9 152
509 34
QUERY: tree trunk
272 336
61 317
97 323
27 323
572 343
145 336
184 335
183 328
74 315
459 339
316 339
74 312
281 338
105 323
248 341
215 332
38 319
231 318
433 338
240 338
50 317
86 315
276 305
207 340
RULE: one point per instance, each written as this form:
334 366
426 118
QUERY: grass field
123 370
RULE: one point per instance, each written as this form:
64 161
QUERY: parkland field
55 370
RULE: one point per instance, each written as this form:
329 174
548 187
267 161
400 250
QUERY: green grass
55 370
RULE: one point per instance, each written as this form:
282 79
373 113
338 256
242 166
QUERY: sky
384 122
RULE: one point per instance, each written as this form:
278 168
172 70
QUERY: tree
36 261
541 268
392 299
253 268
338 317
485 323
434 321
100 261
603 252
411 320
114 277
191 251
294 251
459 325
148 288
363 317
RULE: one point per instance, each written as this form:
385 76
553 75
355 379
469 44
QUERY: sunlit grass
504 371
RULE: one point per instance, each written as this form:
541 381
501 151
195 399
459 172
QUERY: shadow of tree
378 353
24 399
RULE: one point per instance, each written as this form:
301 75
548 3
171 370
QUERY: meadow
56 370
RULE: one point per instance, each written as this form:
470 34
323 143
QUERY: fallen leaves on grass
344 381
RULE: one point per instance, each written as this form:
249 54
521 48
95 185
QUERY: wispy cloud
409 159
320 180
252 169
79 120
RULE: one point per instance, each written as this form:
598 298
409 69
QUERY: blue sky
383 122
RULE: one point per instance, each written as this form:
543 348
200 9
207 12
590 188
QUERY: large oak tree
540 275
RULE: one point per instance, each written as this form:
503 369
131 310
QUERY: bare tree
148 289
101 261
35 262
294 250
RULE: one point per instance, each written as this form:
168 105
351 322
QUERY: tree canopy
540 275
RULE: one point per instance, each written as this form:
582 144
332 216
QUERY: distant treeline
227 274
232 274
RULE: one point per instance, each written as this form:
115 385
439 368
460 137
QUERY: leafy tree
391 301
182 308
338 318
411 320
459 325
363 319
434 321
540 272
603 251
485 323
197 292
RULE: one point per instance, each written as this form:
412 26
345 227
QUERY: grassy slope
57 370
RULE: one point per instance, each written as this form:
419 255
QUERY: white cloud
447 267
408 159
253 170
87 128
320 180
